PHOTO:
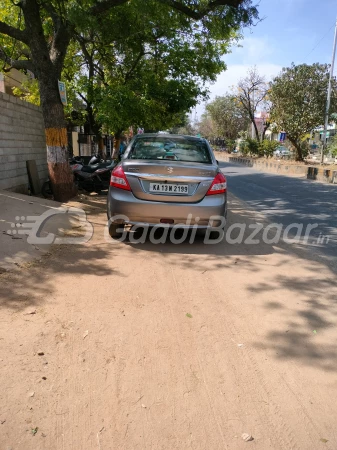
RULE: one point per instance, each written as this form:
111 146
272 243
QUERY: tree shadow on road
31 284
306 328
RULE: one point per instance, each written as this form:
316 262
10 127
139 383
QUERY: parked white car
282 152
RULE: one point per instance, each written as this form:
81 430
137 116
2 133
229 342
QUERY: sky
299 31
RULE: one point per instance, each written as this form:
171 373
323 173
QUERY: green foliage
29 91
227 115
10 15
141 63
243 147
267 147
147 74
332 145
252 146
230 144
298 96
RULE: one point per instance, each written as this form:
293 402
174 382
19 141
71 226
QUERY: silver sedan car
167 179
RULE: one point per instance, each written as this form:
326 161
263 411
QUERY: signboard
321 135
63 93
282 137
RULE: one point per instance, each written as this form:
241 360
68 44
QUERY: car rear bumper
124 203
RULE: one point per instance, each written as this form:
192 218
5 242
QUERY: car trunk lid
169 181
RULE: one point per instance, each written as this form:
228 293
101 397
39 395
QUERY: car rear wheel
116 230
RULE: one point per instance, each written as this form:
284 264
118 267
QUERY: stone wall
21 138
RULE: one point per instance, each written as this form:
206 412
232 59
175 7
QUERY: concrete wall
21 138
322 174
267 166
310 172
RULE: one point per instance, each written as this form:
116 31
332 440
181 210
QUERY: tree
45 30
207 127
150 76
298 98
184 127
252 94
228 116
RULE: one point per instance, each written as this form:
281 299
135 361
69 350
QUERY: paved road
288 200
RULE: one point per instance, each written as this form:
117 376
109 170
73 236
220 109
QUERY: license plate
169 188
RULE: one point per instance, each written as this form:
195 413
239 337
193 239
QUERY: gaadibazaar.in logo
32 226
216 232
237 233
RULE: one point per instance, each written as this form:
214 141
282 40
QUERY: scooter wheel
46 190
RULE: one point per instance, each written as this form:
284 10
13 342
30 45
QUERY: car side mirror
217 162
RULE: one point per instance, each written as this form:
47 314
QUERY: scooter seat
91 169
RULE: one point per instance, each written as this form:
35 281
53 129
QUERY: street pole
329 95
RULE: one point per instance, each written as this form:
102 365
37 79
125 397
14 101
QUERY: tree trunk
265 128
48 64
299 153
257 137
117 142
60 173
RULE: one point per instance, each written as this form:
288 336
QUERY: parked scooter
94 178
77 162
91 178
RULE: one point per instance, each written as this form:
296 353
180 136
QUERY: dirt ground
127 346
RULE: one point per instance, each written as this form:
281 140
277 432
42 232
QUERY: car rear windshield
166 148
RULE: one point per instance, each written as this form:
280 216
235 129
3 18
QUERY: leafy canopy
128 61
228 116
298 98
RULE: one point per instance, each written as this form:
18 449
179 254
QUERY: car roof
172 136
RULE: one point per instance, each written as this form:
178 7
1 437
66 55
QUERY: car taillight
218 186
118 179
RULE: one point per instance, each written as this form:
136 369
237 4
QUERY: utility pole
329 95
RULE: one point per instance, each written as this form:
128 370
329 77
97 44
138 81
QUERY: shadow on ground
316 309
308 324
31 284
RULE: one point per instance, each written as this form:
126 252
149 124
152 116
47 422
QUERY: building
10 80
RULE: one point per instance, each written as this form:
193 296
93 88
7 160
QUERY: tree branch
13 32
133 67
199 14
101 7
83 97
233 3
53 14
16 63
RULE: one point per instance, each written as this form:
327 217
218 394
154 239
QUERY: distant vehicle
282 152
314 154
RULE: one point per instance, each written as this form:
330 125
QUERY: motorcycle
94 178
91 178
